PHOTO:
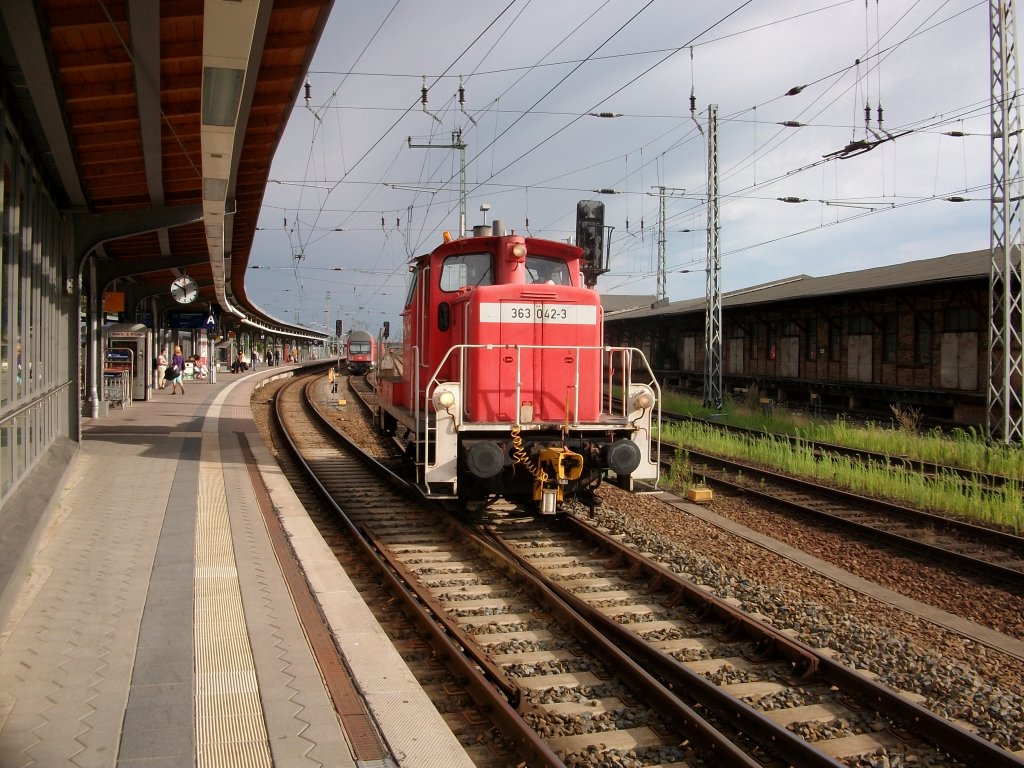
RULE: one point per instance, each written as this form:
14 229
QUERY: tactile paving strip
230 727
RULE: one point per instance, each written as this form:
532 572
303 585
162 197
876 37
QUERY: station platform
155 626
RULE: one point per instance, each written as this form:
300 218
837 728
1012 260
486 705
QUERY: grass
966 448
948 495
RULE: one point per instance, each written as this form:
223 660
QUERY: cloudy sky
354 193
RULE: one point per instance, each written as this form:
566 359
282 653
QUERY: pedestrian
178 363
277 357
332 376
161 366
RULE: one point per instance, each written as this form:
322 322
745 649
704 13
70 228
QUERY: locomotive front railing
630 361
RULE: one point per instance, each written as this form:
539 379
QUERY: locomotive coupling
559 466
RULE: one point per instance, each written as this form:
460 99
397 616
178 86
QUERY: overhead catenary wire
632 169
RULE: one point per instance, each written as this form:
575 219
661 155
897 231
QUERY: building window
860 325
812 339
835 341
890 338
922 342
959 319
753 342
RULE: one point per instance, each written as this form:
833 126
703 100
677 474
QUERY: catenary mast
1005 421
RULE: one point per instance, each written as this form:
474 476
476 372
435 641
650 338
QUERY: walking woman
178 361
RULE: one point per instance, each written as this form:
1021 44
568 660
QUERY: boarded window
689 353
959 363
789 356
734 356
858 364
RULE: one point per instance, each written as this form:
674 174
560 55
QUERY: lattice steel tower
1005 421
713 304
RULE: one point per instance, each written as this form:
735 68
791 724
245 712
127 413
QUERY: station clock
184 289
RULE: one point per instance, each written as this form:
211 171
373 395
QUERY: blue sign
180 320
119 355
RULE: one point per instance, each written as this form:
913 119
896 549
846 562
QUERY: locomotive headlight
519 251
444 399
643 400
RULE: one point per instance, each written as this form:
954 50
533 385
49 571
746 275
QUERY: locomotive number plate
529 312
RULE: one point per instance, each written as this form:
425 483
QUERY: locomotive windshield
359 347
466 269
540 270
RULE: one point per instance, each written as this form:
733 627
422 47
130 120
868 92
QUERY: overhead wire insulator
309 97
462 101
693 98
792 124
795 90
423 101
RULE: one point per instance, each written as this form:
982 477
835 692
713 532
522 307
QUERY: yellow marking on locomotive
559 466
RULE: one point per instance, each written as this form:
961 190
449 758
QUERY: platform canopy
157 121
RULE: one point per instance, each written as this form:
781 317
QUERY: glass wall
34 328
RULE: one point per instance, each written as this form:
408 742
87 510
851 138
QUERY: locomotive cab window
546 271
466 269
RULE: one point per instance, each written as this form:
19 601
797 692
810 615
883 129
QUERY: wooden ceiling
114 89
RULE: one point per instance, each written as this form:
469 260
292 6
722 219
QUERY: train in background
507 390
360 352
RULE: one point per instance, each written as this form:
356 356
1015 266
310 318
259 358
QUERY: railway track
993 553
541 612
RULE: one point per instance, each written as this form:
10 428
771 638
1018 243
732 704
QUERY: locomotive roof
955 267
490 242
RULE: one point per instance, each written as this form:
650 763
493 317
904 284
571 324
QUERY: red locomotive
507 390
359 352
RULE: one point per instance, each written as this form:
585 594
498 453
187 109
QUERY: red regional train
507 390
360 349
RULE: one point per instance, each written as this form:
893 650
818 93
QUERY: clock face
184 290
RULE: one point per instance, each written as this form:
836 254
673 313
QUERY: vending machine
129 347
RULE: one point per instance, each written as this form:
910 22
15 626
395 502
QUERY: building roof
614 303
952 268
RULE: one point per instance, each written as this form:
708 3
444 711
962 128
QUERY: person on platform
332 377
161 365
178 361
200 370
